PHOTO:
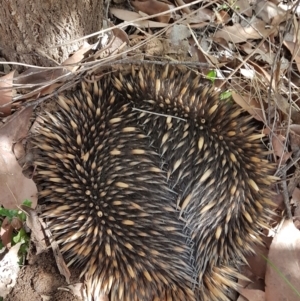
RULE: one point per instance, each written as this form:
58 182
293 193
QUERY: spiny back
153 185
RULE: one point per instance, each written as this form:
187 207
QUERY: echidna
152 185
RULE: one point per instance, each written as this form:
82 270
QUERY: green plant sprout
18 235
212 76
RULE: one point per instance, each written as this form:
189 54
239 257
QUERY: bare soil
40 280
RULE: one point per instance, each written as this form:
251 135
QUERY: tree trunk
30 29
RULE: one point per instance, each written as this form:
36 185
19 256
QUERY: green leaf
27 203
9 213
225 95
22 216
20 237
4 212
212 75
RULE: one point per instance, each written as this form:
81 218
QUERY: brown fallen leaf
252 295
39 76
249 104
200 15
114 45
269 12
244 7
279 147
72 63
222 17
294 49
152 7
120 34
132 17
238 34
296 196
260 54
257 262
6 231
279 99
6 84
295 136
14 187
45 81
283 277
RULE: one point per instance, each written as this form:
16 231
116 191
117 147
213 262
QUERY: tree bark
30 29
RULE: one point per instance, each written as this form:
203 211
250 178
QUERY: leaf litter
253 49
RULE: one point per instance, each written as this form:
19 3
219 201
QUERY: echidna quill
152 185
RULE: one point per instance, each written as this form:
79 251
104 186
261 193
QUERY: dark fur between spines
152 185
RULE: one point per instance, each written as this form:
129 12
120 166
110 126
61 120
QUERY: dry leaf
152 7
185 9
72 63
283 265
14 187
269 12
6 84
201 15
296 196
279 100
44 80
39 76
120 34
238 34
256 262
178 33
222 17
251 105
252 295
295 51
259 54
296 201
279 147
277 199
295 137
244 7
131 17
6 231
266 75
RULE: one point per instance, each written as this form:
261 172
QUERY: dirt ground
40 280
